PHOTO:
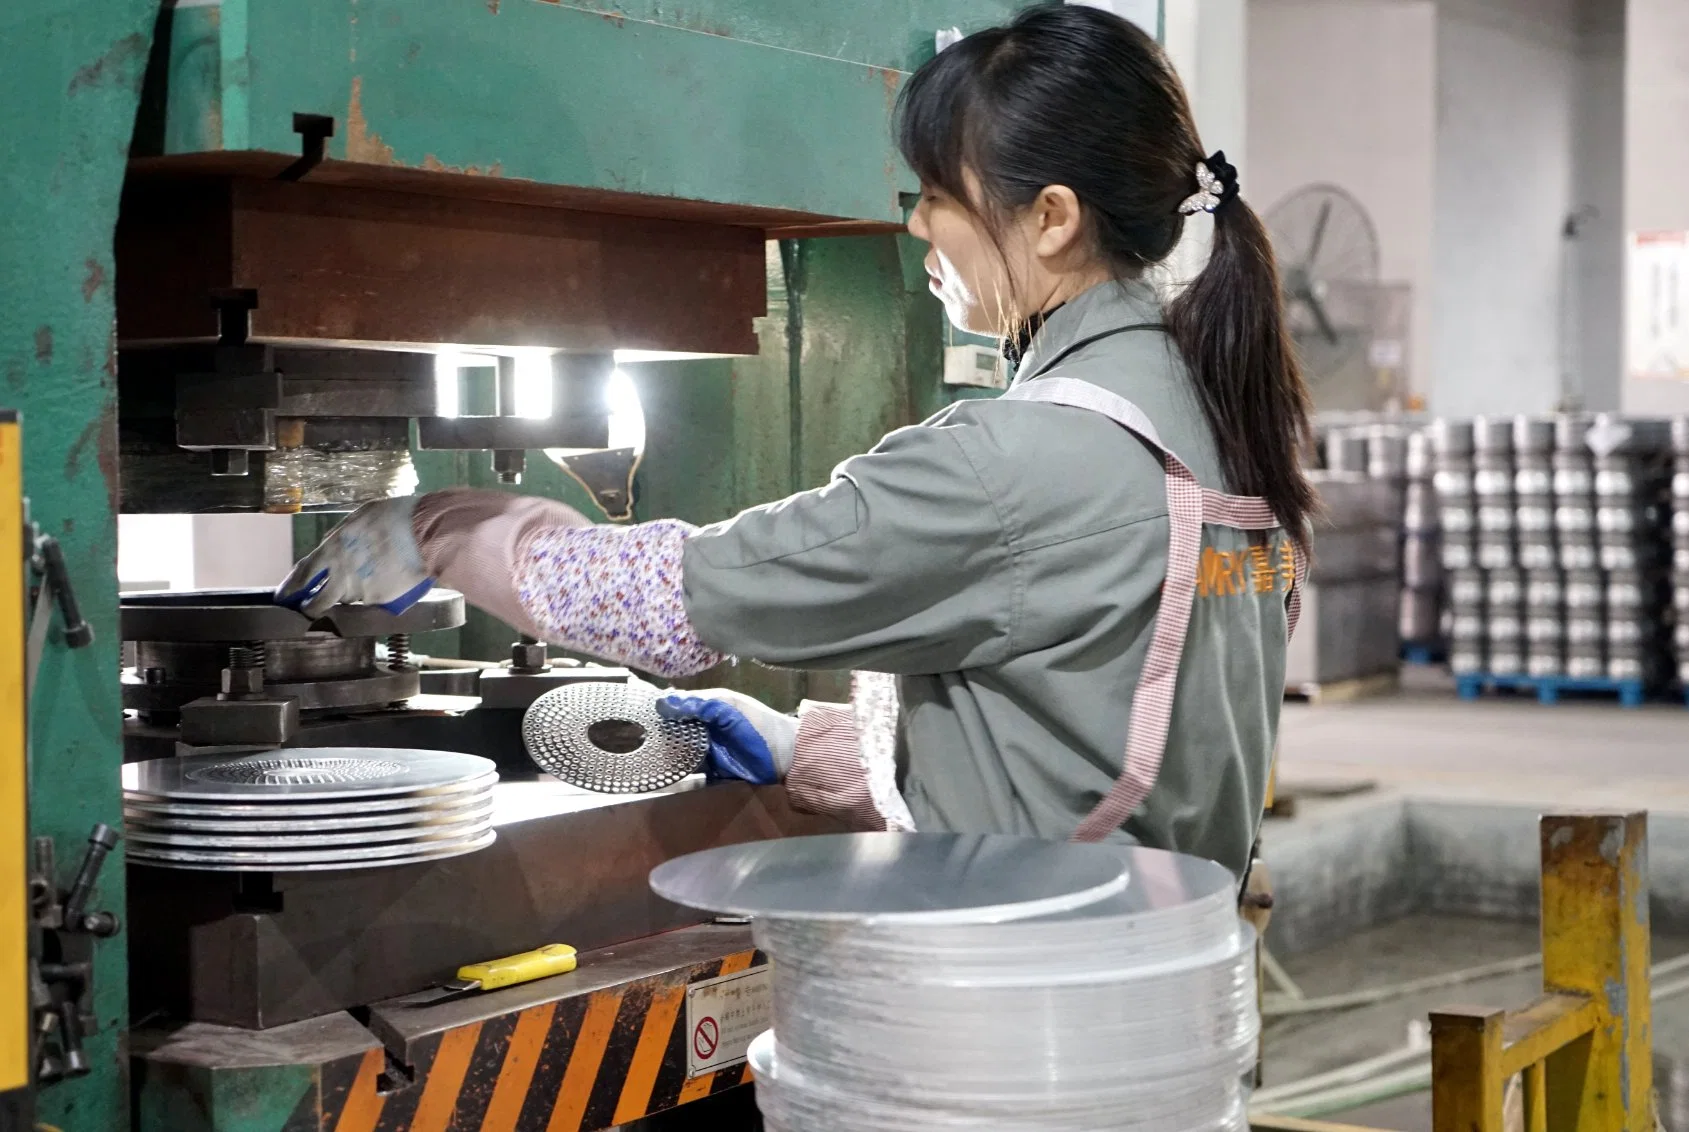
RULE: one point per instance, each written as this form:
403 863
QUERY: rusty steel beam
337 265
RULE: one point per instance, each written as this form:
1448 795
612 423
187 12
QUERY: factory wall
1471 130
1525 315
1656 159
1342 91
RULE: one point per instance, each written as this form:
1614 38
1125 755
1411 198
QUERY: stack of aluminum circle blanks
1457 505
1452 443
1680 543
1632 517
1134 1012
1580 590
1422 567
1574 493
1533 493
307 809
1586 624
1545 623
1466 623
1504 620
1492 484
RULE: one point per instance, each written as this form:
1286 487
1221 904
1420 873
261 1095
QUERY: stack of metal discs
1451 440
1533 493
1580 590
1633 466
1422 567
1492 484
1452 444
307 809
1504 620
1545 623
1680 543
1132 1011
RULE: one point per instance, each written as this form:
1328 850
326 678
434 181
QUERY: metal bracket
60 989
314 130
608 475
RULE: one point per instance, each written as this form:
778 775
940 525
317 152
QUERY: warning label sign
722 1016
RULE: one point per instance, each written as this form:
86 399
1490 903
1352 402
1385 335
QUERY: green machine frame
769 105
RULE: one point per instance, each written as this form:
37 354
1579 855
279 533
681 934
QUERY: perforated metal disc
315 861
555 731
445 796
478 807
307 839
297 774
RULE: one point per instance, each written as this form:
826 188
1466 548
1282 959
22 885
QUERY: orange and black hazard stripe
577 1065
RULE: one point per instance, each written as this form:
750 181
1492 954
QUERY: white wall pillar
1656 159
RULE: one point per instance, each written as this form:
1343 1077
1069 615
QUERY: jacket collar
1105 309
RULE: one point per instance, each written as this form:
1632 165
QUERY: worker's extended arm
900 564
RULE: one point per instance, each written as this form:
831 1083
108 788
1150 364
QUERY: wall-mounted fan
1327 252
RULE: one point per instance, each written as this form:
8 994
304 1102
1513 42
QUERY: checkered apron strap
1189 506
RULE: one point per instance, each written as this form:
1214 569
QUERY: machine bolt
527 657
399 650
243 681
509 464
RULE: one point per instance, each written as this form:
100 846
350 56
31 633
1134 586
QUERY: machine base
601 1046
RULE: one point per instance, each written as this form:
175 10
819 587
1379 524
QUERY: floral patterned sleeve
546 570
614 593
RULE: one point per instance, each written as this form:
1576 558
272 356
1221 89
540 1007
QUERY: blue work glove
748 739
371 558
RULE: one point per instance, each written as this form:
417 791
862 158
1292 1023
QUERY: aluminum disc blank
916 878
306 839
167 821
303 773
183 859
444 796
555 733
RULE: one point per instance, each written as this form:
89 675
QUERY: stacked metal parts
1633 473
1451 443
1554 535
307 809
1572 594
1422 564
1680 544
1136 1011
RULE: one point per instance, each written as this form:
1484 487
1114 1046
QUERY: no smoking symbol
705 1038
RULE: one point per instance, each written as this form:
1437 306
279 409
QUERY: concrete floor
1425 743
1589 753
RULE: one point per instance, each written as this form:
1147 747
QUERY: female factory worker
1083 588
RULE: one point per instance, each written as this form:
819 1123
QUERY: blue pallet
1548 689
1424 654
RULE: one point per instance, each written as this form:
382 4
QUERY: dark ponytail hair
1071 95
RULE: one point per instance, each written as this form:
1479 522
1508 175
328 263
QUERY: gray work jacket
1004 559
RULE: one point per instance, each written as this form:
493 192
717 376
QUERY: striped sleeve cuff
827 774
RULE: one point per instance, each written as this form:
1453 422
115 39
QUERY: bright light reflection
627 416
533 384
448 383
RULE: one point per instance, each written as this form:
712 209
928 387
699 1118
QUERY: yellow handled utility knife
512 970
